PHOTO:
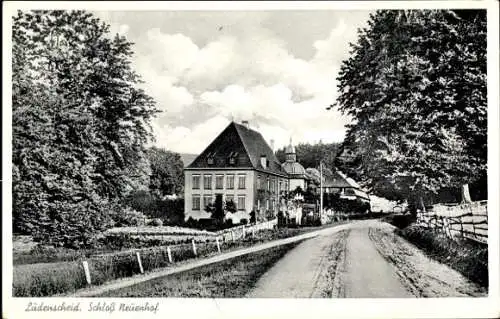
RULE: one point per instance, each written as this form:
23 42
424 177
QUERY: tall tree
166 172
310 155
79 125
415 86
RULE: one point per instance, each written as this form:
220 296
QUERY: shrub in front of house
252 217
171 211
157 222
228 223
129 217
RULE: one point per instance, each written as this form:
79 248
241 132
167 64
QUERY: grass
46 279
467 257
231 278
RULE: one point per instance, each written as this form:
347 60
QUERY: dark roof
187 158
244 144
294 168
338 179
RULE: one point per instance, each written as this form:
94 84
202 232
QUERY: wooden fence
238 232
468 220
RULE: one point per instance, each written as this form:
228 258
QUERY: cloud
244 71
190 140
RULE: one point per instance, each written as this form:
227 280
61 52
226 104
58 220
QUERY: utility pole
320 191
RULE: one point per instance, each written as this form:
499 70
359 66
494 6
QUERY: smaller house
339 183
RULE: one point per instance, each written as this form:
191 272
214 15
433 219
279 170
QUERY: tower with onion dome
296 172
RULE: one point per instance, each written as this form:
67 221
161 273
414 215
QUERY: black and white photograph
263 153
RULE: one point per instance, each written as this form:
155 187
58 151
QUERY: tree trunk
422 205
465 194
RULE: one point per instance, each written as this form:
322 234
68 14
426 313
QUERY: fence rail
469 220
239 232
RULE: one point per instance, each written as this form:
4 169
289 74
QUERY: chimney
272 145
263 161
245 124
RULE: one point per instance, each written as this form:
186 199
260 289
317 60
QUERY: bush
129 217
171 211
228 223
74 226
191 223
467 257
252 217
244 221
402 220
269 215
209 224
156 222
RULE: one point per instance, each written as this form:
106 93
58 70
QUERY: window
280 186
268 184
232 158
272 185
207 200
196 181
273 205
258 204
241 181
230 181
219 181
267 204
210 158
241 202
196 202
207 181
258 182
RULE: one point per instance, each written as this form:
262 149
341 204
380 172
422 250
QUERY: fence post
139 262
232 235
244 232
253 232
194 247
218 244
461 228
87 271
169 252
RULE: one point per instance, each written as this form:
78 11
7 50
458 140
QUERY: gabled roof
243 143
338 179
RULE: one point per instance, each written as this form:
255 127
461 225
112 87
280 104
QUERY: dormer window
263 161
232 158
210 158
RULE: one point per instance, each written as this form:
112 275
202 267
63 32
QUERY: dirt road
366 260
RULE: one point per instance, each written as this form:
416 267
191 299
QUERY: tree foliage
415 86
310 155
79 125
167 176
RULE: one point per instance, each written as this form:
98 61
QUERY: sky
274 69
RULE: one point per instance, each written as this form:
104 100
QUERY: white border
272 308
